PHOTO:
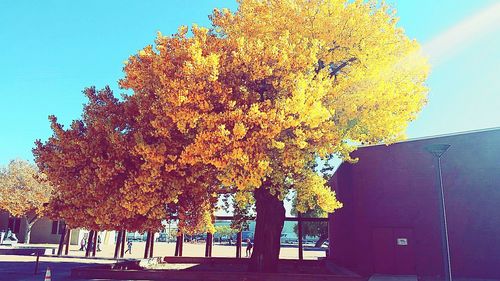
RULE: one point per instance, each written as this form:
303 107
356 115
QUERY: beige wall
41 232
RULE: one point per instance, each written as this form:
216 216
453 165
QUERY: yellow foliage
249 102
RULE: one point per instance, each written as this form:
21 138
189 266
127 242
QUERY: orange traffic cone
48 276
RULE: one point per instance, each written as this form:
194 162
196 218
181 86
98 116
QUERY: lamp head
437 149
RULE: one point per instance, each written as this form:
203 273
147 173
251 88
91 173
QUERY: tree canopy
23 192
246 105
270 88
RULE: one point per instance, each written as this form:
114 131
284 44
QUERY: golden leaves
256 98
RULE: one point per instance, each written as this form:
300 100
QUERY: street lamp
437 150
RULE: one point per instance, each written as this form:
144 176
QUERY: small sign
402 242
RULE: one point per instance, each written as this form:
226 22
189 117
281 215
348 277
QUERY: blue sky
51 50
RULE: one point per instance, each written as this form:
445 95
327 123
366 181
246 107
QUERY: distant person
99 243
83 244
2 236
249 247
129 247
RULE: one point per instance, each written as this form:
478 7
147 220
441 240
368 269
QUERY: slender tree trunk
61 241
269 224
118 244
124 240
148 243
321 240
68 240
94 243
238 244
27 234
27 230
152 246
90 240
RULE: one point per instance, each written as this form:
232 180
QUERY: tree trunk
152 245
238 244
90 240
27 233
321 240
27 229
68 240
118 244
94 243
61 241
269 224
124 240
148 243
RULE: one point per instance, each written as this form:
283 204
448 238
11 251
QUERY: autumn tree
271 88
23 192
110 175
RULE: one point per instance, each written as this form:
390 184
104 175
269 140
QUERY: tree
23 192
271 88
224 231
110 175
313 228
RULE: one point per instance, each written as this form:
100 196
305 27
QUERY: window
58 227
14 224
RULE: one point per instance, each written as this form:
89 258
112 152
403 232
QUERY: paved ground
21 268
190 249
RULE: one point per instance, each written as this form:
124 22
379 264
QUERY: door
405 251
393 251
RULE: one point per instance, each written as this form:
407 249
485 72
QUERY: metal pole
445 247
37 260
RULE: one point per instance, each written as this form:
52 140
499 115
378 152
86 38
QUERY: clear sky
51 50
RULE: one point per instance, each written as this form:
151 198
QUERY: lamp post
437 150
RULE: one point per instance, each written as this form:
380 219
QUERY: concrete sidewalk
21 268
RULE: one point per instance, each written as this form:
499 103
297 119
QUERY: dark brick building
390 220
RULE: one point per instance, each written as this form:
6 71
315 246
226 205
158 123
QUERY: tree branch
335 70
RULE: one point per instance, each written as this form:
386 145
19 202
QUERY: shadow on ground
24 270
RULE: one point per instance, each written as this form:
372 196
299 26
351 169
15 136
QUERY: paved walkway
21 268
189 250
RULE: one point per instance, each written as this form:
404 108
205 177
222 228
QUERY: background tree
224 231
23 192
313 228
270 89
